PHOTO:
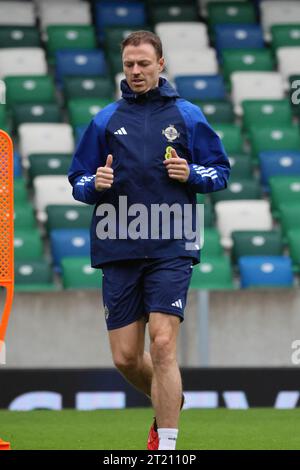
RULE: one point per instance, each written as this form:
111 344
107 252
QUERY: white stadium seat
17 13
183 35
255 86
45 138
189 62
288 59
49 190
22 61
64 12
242 215
278 12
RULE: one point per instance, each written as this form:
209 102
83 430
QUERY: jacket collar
164 90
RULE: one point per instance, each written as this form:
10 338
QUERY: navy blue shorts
132 289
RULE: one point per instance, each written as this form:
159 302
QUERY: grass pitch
128 429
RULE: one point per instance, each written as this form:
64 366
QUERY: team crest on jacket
171 133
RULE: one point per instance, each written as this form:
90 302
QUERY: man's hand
178 168
105 175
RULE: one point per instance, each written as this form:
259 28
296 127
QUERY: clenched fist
178 168
105 175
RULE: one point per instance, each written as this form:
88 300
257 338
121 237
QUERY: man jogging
150 150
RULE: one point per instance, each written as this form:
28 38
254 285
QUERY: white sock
167 438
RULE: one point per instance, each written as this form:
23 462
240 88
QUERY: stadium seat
61 37
19 36
274 12
162 13
213 273
51 190
114 35
285 138
29 89
241 166
204 3
209 216
285 35
201 87
22 61
231 137
68 216
293 237
69 243
28 245
212 246
82 110
219 112
256 243
266 112
33 276
3 116
17 165
183 35
64 12
88 63
119 13
42 112
91 87
45 138
284 189
20 191
24 216
242 215
246 60
278 163
17 13
288 62
289 216
48 164
266 271
77 273
230 13
203 62
255 86
238 190
238 36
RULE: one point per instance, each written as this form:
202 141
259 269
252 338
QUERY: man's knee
163 350
125 360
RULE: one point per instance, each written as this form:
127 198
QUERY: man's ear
161 63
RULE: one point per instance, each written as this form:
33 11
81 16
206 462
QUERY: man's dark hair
143 37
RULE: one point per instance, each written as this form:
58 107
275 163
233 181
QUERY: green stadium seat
3 117
42 112
293 237
212 246
213 273
261 113
60 37
172 12
28 245
256 243
231 137
284 190
82 110
115 62
246 60
20 191
289 216
88 87
19 36
220 112
33 276
230 12
114 35
68 217
285 35
48 164
24 216
241 166
77 273
274 138
29 89
238 190
209 216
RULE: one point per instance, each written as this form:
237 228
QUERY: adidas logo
178 303
121 131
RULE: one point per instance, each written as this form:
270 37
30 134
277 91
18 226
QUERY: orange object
4 445
6 227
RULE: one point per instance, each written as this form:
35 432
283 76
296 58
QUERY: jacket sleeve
210 168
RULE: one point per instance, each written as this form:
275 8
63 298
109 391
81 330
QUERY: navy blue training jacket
136 130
